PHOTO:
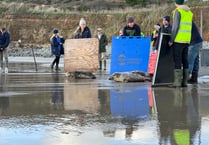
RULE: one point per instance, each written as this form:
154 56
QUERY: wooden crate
81 55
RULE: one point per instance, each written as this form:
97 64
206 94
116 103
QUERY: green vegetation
32 21
136 2
97 5
19 7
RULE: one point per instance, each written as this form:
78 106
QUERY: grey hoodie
176 22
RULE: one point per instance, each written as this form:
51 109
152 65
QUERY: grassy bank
33 23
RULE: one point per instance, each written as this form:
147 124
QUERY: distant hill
32 21
86 5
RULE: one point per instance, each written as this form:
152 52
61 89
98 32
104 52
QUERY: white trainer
6 70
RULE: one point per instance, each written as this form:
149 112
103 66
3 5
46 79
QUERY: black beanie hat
167 18
179 2
130 19
55 31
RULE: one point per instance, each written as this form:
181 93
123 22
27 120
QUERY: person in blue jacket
62 41
193 54
4 43
56 45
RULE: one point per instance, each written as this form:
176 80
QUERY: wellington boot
177 78
51 66
57 68
185 78
193 79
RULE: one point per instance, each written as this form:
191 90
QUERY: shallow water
47 108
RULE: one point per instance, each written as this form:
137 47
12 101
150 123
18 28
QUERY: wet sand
47 108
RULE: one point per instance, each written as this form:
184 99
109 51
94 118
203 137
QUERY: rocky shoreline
26 50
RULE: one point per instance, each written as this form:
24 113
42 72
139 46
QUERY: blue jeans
193 57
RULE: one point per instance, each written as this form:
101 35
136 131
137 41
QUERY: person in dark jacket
193 54
82 30
164 29
56 45
4 43
132 29
102 47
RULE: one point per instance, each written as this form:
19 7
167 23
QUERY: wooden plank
81 55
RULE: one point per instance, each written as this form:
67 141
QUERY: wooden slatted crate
81 55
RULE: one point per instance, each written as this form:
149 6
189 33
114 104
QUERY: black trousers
56 61
180 55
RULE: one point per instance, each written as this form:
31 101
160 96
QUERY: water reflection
4 104
3 83
104 101
118 109
133 104
130 104
52 109
83 97
4 101
178 115
56 93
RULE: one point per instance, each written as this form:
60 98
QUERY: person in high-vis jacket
179 41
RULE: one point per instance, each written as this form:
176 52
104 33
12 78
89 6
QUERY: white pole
201 21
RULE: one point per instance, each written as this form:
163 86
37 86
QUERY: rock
80 75
135 76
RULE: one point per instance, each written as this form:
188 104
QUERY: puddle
46 108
